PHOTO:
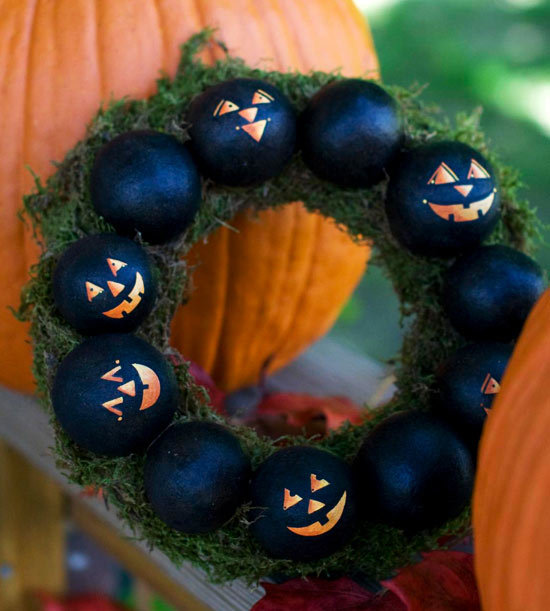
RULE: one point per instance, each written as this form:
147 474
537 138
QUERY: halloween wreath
115 223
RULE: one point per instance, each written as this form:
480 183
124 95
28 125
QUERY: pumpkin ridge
282 35
98 58
217 335
334 58
303 290
302 62
278 61
161 32
353 19
271 329
22 237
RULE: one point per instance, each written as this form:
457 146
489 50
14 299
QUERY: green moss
61 212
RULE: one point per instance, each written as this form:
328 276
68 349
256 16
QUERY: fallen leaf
202 378
443 581
314 594
299 409
86 602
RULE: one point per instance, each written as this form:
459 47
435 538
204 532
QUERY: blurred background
490 53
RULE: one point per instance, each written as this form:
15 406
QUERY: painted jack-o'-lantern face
150 390
254 128
304 500
489 388
468 383
316 528
471 208
442 199
104 283
114 393
134 296
242 131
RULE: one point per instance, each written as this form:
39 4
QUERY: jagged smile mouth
131 303
316 529
460 213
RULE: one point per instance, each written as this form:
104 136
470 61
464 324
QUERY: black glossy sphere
104 284
349 132
442 198
243 131
468 382
304 504
146 182
114 394
489 292
414 472
196 476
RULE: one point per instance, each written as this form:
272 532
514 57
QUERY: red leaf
323 595
443 581
86 602
217 397
300 409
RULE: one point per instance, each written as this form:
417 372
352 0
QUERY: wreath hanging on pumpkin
330 506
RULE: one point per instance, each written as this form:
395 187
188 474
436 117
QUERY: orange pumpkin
263 291
511 506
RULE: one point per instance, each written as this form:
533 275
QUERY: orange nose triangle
314 506
464 190
129 388
249 114
115 287
255 130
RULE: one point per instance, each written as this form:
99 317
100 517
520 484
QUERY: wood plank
328 368
136 561
32 536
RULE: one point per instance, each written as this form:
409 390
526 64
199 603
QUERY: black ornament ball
489 292
104 283
414 472
468 382
243 131
196 476
147 182
349 132
114 394
442 198
304 504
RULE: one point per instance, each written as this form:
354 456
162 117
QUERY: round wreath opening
61 212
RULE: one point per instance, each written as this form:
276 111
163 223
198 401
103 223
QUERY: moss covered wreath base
61 212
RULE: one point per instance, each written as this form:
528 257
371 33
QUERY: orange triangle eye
443 175
290 500
92 290
115 265
317 484
261 97
224 107
477 171
110 375
490 385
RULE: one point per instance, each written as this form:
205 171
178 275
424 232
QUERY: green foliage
61 213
